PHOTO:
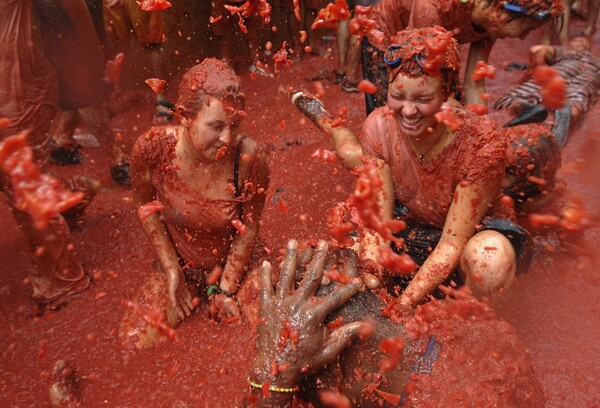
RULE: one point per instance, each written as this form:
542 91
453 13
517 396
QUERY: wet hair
213 77
532 151
428 51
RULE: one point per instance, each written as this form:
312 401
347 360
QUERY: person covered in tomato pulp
476 22
450 174
201 190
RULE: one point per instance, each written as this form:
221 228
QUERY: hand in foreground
181 298
292 338
225 308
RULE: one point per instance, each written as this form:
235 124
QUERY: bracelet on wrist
216 290
273 388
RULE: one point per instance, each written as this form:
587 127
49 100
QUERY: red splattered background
556 314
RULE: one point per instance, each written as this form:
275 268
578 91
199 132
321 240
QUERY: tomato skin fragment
221 152
483 70
367 87
240 227
156 84
149 209
553 86
154 5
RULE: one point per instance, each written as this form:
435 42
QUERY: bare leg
56 273
343 42
593 7
563 34
352 72
488 266
67 123
97 119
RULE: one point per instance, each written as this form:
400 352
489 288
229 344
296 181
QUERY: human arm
478 51
372 241
471 202
241 247
292 336
345 142
156 231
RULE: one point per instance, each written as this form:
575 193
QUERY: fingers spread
266 288
287 279
350 266
337 298
314 273
338 341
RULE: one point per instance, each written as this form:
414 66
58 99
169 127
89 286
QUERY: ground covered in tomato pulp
556 313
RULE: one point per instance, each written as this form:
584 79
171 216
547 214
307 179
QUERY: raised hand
292 338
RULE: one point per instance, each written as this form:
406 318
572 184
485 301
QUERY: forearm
237 259
440 264
346 145
160 240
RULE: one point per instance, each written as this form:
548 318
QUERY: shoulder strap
236 166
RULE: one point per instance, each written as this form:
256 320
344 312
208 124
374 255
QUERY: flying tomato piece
221 152
148 209
154 5
367 87
239 226
156 84
483 70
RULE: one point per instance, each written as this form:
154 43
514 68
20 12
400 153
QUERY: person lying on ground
326 343
446 177
478 22
580 70
210 186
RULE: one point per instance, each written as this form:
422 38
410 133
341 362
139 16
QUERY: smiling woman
210 184
443 170
476 22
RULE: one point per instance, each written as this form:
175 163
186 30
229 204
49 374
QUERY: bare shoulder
156 144
251 147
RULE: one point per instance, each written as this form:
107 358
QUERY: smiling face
415 101
212 128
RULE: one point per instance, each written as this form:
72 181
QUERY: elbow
350 155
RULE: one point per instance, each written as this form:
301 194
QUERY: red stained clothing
201 229
392 16
476 154
28 87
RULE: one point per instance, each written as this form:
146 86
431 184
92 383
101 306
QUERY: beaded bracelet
271 387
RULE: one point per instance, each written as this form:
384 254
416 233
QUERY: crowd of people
447 185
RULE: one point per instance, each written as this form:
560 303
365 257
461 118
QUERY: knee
488 262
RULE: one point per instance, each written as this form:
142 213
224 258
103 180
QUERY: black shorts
421 239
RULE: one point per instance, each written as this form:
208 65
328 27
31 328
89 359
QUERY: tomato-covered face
213 127
415 101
